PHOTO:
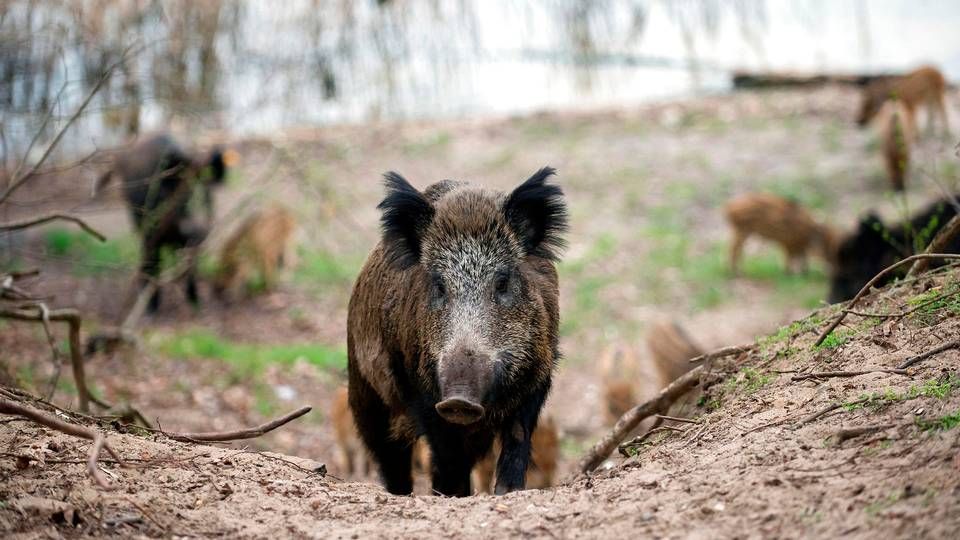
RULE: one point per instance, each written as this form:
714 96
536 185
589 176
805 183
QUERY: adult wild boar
452 328
160 179
874 246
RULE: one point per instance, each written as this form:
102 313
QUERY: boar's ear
406 213
538 215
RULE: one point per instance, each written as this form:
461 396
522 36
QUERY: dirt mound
881 458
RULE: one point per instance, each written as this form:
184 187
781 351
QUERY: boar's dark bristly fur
452 328
874 246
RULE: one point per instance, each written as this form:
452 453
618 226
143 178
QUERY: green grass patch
749 380
940 388
249 359
92 256
325 269
933 304
943 423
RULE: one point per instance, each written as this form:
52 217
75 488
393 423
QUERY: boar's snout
458 410
464 377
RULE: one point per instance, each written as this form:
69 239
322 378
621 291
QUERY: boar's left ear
538 215
406 213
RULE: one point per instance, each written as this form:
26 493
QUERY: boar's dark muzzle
458 410
464 379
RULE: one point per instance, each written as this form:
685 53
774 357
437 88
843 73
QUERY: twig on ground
721 353
677 419
828 374
902 314
866 288
147 514
44 419
249 433
936 350
852 433
39 220
624 448
825 410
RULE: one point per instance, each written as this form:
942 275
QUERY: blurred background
634 102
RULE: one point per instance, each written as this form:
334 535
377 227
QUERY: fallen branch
677 419
939 243
866 288
44 419
852 433
625 448
828 374
936 350
31 222
721 353
249 433
72 318
632 418
904 313
825 410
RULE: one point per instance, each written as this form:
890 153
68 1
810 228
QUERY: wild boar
544 451
923 86
874 246
262 245
781 220
452 328
896 135
160 180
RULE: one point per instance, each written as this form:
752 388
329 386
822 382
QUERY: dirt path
749 468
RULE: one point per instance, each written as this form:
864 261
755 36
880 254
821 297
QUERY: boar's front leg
453 454
515 446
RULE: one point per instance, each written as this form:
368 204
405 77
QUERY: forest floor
647 243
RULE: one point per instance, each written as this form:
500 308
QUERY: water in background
260 66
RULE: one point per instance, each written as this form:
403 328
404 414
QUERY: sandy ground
748 467
647 239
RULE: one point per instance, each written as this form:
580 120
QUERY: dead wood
936 350
721 353
72 318
829 374
44 419
249 433
866 288
677 419
46 218
625 448
938 244
852 433
825 410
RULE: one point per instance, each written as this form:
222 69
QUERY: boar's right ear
406 213
537 214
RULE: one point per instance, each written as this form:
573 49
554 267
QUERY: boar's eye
438 291
503 287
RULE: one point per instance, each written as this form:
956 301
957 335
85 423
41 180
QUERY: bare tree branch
866 288
44 419
249 433
72 318
39 220
938 244
18 180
